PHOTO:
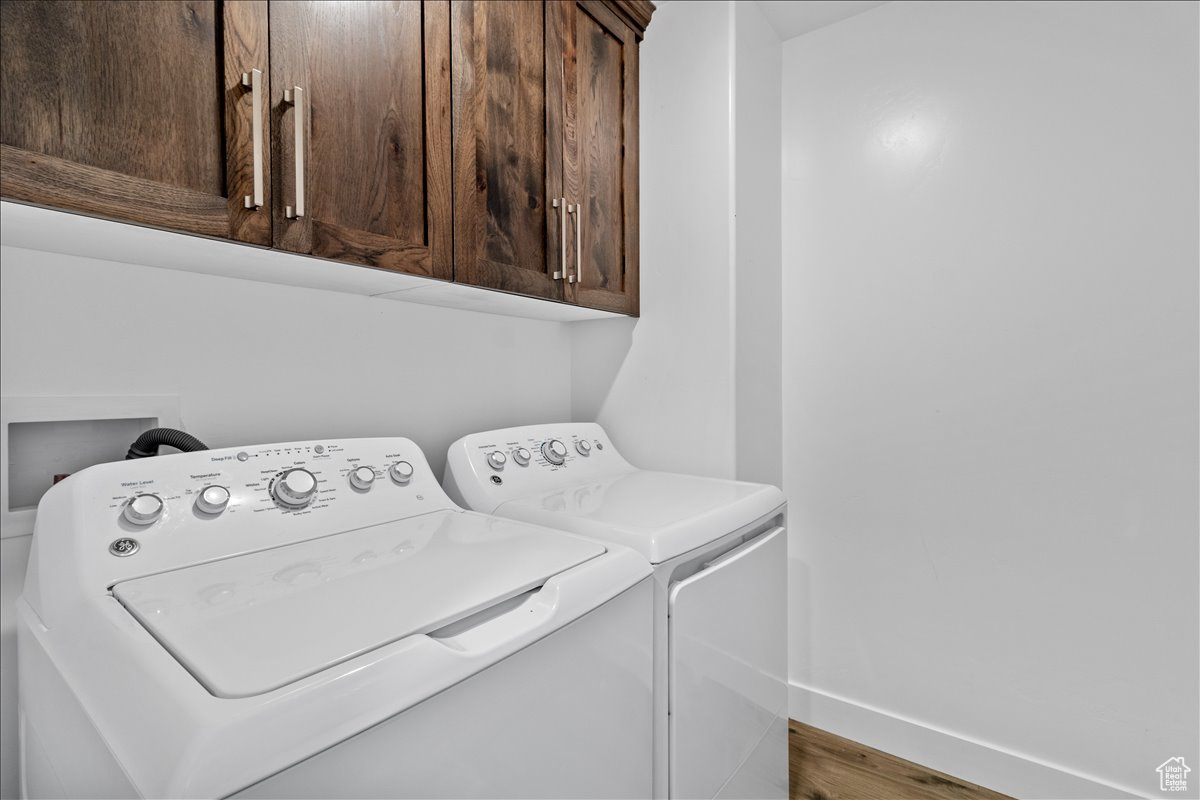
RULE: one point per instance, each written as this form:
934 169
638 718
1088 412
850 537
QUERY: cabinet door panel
508 146
601 155
376 81
134 110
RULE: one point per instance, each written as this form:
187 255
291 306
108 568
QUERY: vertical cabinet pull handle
295 96
576 210
252 80
560 203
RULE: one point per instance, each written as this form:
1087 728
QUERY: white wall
756 264
663 386
693 385
990 386
74 326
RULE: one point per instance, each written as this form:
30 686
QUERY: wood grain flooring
828 767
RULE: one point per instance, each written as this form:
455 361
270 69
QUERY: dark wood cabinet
135 110
508 118
489 142
601 155
545 126
368 85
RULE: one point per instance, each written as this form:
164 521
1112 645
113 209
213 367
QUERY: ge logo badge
123 547
496 479
1172 775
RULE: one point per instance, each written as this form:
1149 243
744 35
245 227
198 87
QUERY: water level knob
584 447
497 460
143 509
296 488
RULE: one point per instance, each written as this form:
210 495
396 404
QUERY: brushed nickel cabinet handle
295 96
560 203
576 210
252 80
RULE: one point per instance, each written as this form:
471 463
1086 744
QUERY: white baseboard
986 765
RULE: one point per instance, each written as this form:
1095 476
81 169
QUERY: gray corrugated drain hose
148 443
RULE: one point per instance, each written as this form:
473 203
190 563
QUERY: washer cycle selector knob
497 460
584 447
295 488
212 499
554 451
362 478
521 456
143 509
401 472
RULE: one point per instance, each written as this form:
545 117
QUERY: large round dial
295 488
143 509
212 499
362 478
554 451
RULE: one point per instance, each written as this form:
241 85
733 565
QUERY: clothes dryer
719 551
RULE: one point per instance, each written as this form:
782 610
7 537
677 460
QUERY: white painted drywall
790 18
255 362
756 264
663 386
990 377
694 385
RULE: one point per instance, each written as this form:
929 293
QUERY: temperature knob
295 488
362 478
554 451
401 472
497 460
584 447
143 509
212 499
521 456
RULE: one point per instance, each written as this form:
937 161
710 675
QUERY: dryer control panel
131 518
485 469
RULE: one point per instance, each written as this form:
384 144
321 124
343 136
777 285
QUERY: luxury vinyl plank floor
828 767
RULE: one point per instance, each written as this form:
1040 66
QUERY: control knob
212 499
554 451
584 447
496 459
401 472
295 488
521 456
362 478
143 509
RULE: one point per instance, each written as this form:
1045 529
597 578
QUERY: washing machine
719 552
318 619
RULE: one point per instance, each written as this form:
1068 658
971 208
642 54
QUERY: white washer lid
659 514
249 624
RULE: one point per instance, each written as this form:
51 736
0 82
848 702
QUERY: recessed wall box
43 437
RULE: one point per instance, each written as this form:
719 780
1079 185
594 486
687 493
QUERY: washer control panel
485 469
151 514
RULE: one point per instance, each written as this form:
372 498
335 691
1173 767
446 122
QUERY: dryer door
727 657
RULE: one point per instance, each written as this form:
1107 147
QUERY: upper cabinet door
508 108
360 98
601 141
136 110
